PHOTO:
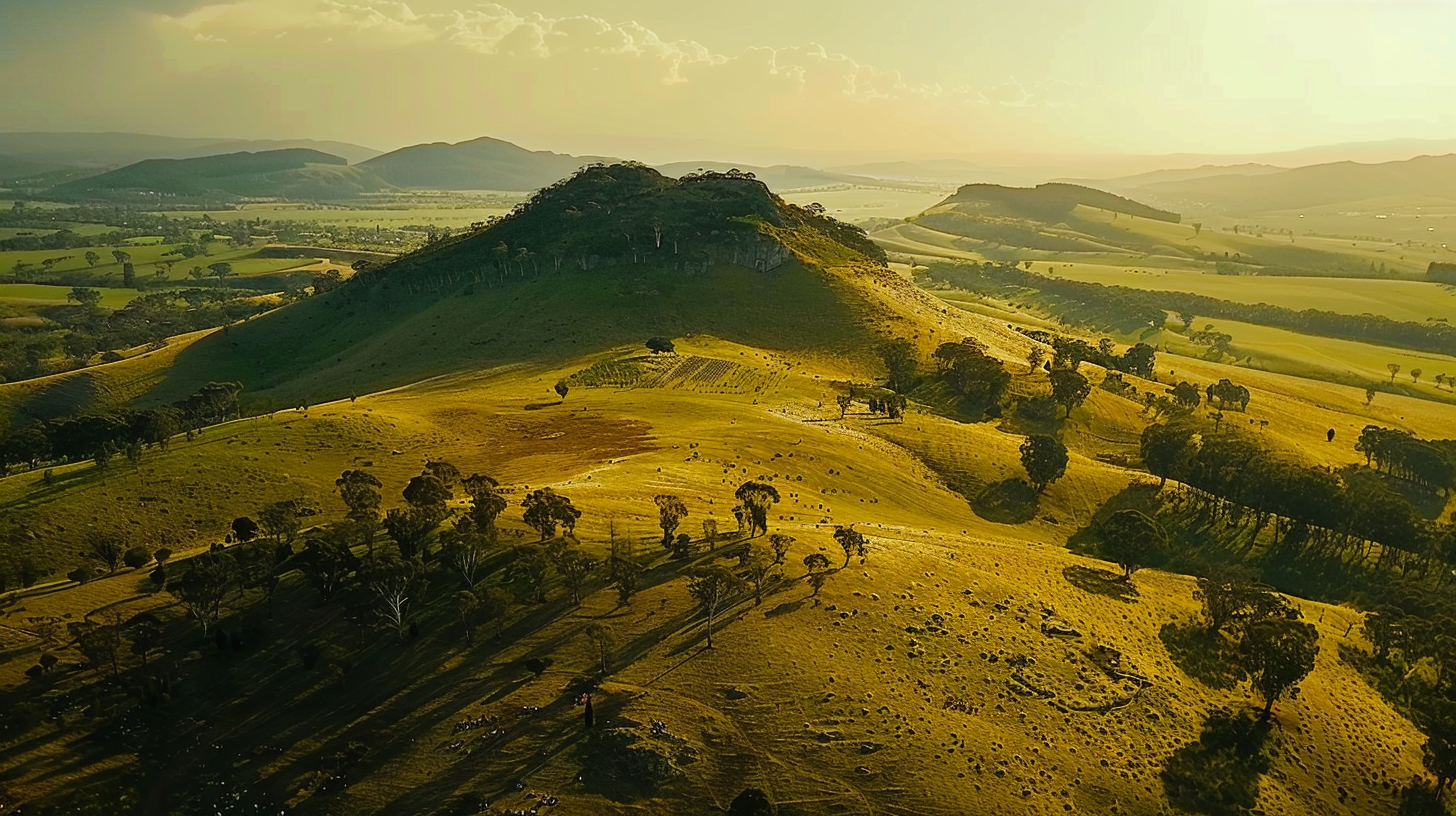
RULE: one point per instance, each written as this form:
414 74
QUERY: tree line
1099 305
125 431
70 336
1229 479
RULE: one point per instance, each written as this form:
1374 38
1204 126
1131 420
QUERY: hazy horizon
812 82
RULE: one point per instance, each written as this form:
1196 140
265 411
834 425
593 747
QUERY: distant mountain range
295 173
1342 184
492 164
74 165
109 150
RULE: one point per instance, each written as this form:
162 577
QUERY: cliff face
751 250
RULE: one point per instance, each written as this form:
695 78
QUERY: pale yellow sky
752 79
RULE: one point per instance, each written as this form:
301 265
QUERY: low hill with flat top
1049 202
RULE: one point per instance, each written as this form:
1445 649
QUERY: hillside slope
921 680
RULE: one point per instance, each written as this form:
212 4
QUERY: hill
289 174
1050 218
1062 224
1323 185
1049 203
963 666
613 255
108 150
15 168
479 164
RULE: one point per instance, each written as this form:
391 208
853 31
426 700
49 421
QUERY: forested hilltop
628 214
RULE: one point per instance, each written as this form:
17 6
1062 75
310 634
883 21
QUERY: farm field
1415 301
1322 360
453 215
79 229
148 260
1304 355
39 294
1394 220
1182 246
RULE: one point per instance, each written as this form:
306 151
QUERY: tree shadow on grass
1207 657
785 608
1219 774
1010 501
1101 582
1136 496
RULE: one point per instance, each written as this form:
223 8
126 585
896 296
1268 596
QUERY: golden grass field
835 706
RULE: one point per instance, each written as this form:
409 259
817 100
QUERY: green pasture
40 294
1415 301
147 259
454 217
1322 358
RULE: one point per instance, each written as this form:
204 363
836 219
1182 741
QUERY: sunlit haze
759 79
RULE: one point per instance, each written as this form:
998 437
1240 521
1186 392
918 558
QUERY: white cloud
493 30
490 69
377 22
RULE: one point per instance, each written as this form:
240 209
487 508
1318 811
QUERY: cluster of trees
1230 481
977 378
388 579
1139 359
1123 307
128 431
1227 393
1273 646
1402 454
